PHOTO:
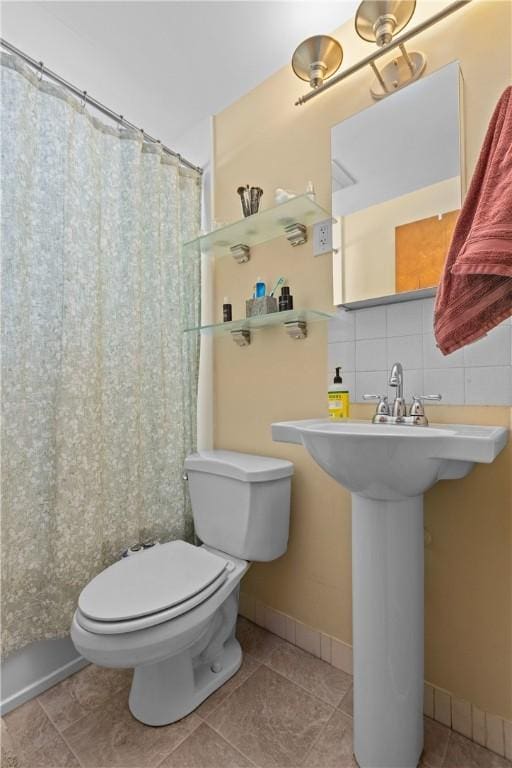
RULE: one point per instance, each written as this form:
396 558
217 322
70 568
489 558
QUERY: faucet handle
417 403
382 405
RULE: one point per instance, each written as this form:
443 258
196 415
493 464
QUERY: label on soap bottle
339 405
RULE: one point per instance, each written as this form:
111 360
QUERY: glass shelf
262 321
261 227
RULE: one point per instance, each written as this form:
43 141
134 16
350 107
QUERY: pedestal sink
388 468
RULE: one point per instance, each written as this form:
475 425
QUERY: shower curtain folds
99 382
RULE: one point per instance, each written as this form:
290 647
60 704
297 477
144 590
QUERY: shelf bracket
296 234
241 337
296 329
241 253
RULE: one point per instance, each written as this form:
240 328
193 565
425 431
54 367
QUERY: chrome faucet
397 413
396 379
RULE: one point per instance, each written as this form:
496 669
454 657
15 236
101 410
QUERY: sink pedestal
387 574
388 468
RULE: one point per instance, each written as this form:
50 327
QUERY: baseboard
36 668
488 730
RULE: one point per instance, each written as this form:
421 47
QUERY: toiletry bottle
310 190
227 314
285 299
259 288
339 398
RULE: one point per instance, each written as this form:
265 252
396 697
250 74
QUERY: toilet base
168 690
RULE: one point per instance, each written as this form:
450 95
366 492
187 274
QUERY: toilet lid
150 582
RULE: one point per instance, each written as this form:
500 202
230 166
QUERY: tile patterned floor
283 709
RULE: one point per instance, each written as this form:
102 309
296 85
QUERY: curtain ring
120 120
40 72
83 100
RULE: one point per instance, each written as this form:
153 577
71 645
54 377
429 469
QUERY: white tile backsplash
370 383
427 307
414 384
370 323
343 327
448 383
406 349
493 349
342 353
349 380
488 385
433 358
404 318
366 342
370 355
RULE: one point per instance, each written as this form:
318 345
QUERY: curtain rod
84 96
395 43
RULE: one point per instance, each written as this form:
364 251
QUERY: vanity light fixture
317 59
377 21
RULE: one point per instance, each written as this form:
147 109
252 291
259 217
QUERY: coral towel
475 293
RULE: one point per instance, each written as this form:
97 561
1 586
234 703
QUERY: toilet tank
240 502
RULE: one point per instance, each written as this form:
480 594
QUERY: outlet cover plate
322 237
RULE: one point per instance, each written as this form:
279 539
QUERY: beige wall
263 139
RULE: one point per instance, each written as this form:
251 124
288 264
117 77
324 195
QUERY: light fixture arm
396 42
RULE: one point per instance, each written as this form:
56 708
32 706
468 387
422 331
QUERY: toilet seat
150 588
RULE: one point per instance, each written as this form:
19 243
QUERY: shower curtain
99 383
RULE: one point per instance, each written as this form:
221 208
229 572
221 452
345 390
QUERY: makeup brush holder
250 198
262 306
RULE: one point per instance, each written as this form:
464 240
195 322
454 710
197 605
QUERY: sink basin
391 462
388 468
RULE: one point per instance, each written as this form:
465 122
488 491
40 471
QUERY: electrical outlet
322 237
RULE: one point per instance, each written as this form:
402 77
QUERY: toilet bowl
170 612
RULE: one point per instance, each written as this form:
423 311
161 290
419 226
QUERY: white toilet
170 612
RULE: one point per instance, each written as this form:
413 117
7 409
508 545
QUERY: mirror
397 179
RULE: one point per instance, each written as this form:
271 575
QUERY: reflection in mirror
396 191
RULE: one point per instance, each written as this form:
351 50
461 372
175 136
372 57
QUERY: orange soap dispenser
339 398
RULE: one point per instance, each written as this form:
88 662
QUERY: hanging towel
475 293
